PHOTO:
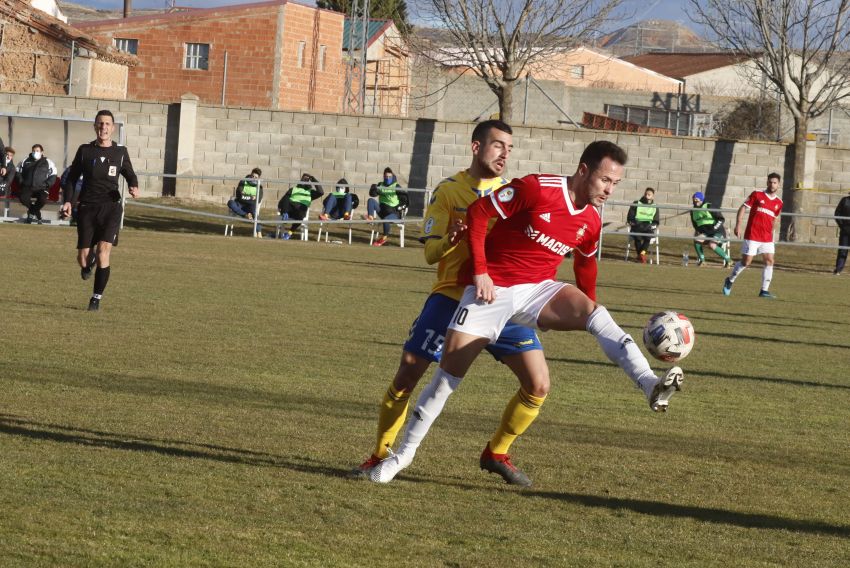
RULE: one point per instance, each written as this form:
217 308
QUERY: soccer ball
669 336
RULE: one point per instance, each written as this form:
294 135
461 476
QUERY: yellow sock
517 417
390 419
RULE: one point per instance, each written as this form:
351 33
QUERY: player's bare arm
738 220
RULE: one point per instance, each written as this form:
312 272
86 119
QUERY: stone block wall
228 142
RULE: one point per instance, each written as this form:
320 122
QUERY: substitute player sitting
708 229
539 219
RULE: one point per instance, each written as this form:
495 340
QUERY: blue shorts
429 331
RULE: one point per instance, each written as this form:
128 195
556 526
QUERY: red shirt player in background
765 207
539 219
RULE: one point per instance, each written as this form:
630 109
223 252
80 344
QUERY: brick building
275 54
40 54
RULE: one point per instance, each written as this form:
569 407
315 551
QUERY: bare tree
800 46
500 40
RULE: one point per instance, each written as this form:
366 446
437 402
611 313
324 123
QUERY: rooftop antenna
355 67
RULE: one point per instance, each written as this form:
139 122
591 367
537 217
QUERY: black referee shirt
100 167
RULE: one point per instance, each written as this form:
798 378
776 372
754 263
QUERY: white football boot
659 397
388 468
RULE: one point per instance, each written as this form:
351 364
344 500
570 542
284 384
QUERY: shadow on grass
15 426
288 399
715 315
717 516
171 225
716 375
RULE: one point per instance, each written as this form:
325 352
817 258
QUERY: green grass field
209 413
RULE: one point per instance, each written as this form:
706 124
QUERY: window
197 56
322 50
577 71
126 45
300 56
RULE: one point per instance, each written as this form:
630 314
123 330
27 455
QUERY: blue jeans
336 207
376 209
242 209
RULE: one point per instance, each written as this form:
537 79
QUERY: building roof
183 13
59 30
682 65
374 29
653 36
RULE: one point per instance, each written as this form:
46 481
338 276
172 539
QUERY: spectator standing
709 229
643 217
2 153
7 178
843 210
36 174
385 201
75 197
249 195
296 201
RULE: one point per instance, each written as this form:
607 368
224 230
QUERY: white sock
429 405
621 349
766 277
739 268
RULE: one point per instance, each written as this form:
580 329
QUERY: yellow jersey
448 204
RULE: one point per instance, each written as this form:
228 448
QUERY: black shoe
94 305
501 464
85 273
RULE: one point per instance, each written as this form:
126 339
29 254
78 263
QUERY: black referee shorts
98 222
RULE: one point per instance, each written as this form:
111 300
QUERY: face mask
36 155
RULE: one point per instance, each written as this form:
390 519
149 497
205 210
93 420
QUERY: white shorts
520 304
752 248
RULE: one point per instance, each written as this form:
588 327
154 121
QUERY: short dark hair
774 175
479 133
652 189
257 171
599 150
39 146
104 113
10 150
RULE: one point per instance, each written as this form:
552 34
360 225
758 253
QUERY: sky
642 9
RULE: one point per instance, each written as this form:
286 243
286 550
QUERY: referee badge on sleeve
113 171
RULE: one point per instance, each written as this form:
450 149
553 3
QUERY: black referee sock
101 277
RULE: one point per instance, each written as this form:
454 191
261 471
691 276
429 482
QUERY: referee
100 162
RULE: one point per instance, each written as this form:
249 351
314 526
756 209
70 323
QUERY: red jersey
764 210
537 225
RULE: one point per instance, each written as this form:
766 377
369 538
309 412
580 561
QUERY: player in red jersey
539 219
765 207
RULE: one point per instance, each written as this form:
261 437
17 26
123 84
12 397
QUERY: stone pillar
808 202
186 144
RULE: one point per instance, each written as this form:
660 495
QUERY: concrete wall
145 125
228 142
444 96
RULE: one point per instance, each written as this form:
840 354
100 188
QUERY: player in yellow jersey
517 347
